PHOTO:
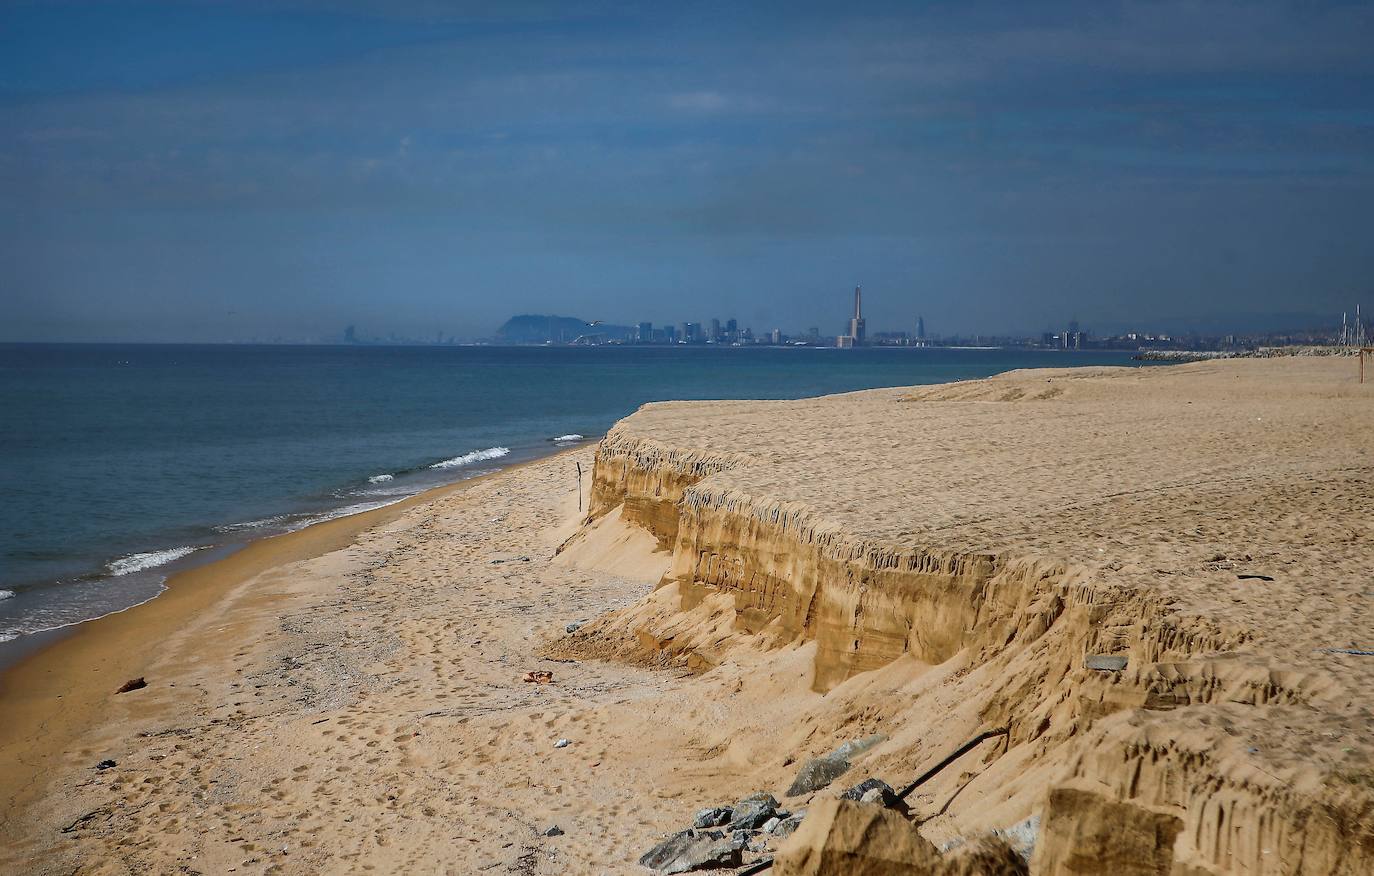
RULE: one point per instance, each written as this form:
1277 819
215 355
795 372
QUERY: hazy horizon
214 171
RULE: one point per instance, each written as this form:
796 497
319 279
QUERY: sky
217 171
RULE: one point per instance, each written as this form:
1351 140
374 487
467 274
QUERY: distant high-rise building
777 336
714 337
856 325
644 333
691 332
920 328
731 326
670 334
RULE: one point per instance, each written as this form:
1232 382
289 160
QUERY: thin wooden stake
579 479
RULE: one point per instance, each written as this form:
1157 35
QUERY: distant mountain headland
536 328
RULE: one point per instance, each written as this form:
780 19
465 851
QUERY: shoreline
202 553
41 723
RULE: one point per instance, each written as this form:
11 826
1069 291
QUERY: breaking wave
474 456
335 514
568 439
252 524
381 478
6 594
150 560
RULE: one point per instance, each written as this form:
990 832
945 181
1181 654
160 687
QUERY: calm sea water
122 463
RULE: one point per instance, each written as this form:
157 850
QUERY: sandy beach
1155 585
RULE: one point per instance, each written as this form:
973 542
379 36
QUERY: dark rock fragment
694 850
751 812
717 816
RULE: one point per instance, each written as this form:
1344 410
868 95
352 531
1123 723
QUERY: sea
122 464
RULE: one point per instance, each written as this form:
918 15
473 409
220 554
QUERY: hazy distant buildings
920 328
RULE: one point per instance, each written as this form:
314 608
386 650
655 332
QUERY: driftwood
958 753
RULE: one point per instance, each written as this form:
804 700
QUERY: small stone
716 816
106 765
562 743
771 824
875 791
573 627
753 811
132 684
789 825
555 830
1105 662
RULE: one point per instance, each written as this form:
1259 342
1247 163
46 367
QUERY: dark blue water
120 463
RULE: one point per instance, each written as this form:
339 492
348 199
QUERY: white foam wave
380 479
8 636
150 560
345 511
568 439
6 594
474 456
251 524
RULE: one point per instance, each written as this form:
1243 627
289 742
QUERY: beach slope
1148 590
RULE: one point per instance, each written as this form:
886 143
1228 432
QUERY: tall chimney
858 302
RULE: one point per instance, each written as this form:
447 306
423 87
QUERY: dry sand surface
924 564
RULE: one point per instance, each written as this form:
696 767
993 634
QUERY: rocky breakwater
1079 628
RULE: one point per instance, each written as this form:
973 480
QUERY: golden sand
922 563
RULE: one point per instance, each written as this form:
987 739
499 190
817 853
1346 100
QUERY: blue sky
227 170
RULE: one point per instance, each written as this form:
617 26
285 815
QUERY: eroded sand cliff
954 558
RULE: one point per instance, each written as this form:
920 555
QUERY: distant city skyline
225 171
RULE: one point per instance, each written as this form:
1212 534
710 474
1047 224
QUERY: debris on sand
821 771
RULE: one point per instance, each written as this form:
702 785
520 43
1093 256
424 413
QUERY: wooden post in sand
1363 352
579 465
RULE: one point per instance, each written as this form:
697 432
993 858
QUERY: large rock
821 771
842 836
753 811
694 850
1084 832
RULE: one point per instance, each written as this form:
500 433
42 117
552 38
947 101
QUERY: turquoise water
122 463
